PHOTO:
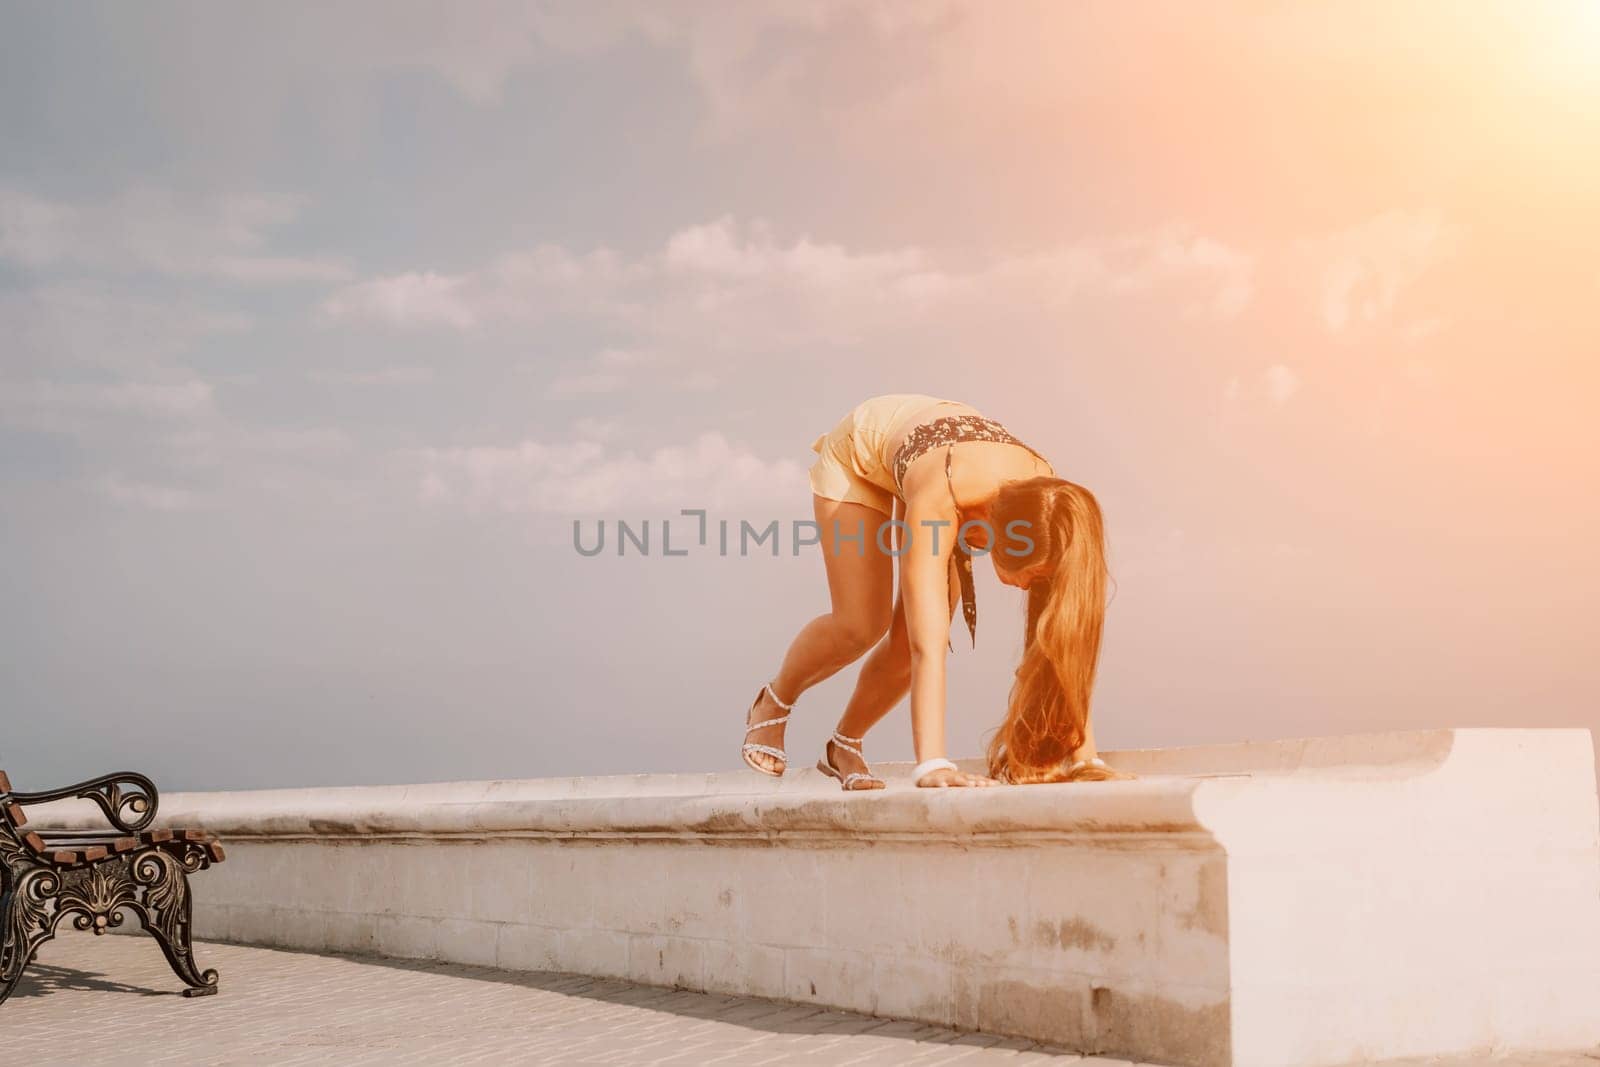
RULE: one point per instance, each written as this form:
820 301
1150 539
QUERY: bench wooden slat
14 812
87 854
149 837
69 839
88 846
5 783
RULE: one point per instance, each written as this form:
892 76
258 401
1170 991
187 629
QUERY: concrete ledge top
1344 786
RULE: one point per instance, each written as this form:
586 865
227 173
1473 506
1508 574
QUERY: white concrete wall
1307 902
1454 911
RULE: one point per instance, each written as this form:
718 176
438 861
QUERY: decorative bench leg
14 956
154 884
166 915
24 923
8 984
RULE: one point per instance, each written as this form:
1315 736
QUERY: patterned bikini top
952 430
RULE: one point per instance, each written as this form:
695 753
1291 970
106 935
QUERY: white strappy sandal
853 745
767 750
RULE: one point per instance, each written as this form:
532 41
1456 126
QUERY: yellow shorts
849 466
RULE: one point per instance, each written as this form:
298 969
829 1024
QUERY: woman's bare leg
884 681
861 592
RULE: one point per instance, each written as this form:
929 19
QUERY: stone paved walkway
89 1001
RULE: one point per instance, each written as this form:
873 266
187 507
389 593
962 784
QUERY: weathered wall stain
1153 1027
1210 911
1050 1012
1073 933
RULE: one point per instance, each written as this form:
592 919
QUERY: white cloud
515 288
625 357
741 284
1422 329
32 230
583 477
1144 554
1172 265
1282 383
50 327
1274 385
718 249
380 376
477 50
147 496
182 399
237 463
275 270
480 48
1203 275
404 301
71 407
597 429
1368 267
1179 255
158 230
595 383
217 443
1420 372
609 371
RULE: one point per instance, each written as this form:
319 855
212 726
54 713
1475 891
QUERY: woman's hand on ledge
945 778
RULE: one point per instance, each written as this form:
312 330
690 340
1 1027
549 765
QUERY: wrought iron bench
92 876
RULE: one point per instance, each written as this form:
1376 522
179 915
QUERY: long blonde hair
1048 711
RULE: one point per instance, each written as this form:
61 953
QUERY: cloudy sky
320 324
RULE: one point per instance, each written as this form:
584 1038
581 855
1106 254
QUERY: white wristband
938 763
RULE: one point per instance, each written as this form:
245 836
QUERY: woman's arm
925 590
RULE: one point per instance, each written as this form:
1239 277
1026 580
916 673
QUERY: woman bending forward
935 465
